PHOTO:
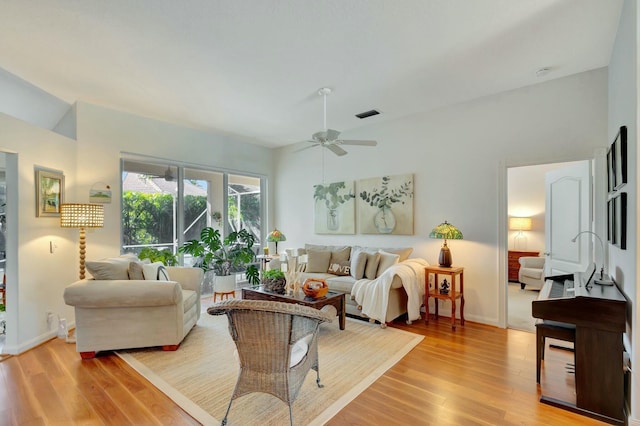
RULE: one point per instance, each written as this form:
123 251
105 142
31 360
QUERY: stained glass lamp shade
276 236
445 231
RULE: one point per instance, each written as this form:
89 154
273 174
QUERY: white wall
623 111
103 134
35 277
457 155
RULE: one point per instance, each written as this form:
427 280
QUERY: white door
568 212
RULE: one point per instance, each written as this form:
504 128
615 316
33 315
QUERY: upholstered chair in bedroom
277 345
531 273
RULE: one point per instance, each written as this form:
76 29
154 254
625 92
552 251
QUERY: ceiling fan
168 175
329 138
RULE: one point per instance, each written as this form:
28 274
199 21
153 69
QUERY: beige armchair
277 345
123 314
531 272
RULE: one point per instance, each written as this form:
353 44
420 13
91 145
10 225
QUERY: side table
264 260
453 294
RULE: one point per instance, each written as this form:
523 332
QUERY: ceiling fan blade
357 142
336 149
332 135
307 147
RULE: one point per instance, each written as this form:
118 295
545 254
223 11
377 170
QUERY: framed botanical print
49 192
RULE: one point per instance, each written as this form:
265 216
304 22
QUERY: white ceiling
253 67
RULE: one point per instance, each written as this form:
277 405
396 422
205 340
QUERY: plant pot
225 283
274 285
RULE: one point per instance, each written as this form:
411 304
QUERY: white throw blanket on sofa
373 295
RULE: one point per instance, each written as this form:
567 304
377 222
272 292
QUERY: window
164 205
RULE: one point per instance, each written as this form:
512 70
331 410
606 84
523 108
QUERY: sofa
344 266
531 273
114 312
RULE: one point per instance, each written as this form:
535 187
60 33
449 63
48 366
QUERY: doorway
527 214
3 249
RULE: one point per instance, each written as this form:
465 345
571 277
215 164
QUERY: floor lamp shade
81 216
445 231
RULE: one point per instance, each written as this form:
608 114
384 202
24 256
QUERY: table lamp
76 215
520 224
275 236
445 231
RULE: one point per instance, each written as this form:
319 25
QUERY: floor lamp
82 216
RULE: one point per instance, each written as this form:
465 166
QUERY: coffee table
333 298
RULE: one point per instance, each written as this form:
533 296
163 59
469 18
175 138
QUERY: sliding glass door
165 204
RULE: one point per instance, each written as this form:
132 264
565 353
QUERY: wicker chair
277 345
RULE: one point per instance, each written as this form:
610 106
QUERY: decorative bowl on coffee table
315 288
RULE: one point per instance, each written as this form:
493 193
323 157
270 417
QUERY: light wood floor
477 375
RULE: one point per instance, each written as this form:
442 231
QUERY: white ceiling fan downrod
324 92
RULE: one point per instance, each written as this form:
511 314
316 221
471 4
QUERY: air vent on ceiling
367 114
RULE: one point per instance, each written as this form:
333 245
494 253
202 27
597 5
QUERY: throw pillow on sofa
113 268
318 260
155 271
135 271
386 261
340 269
358 263
373 261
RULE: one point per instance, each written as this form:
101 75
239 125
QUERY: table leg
426 298
453 313
343 314
462 298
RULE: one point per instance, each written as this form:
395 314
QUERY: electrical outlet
50 318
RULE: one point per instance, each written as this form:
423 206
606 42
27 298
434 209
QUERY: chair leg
290 414
224 421
320 385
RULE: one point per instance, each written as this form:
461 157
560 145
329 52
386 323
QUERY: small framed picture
611 169
49 192
620 157
620 225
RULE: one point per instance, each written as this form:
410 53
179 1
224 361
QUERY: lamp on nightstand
520 224
445 231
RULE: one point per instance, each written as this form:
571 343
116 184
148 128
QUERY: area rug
201 374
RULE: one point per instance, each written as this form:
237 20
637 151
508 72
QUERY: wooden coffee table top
333 298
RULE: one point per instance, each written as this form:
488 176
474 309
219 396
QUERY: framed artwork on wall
620 225
49 192
611 172
620 157
385 205
334 208
611 221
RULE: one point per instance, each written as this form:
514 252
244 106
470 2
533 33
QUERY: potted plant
274 280
224 256
165 256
